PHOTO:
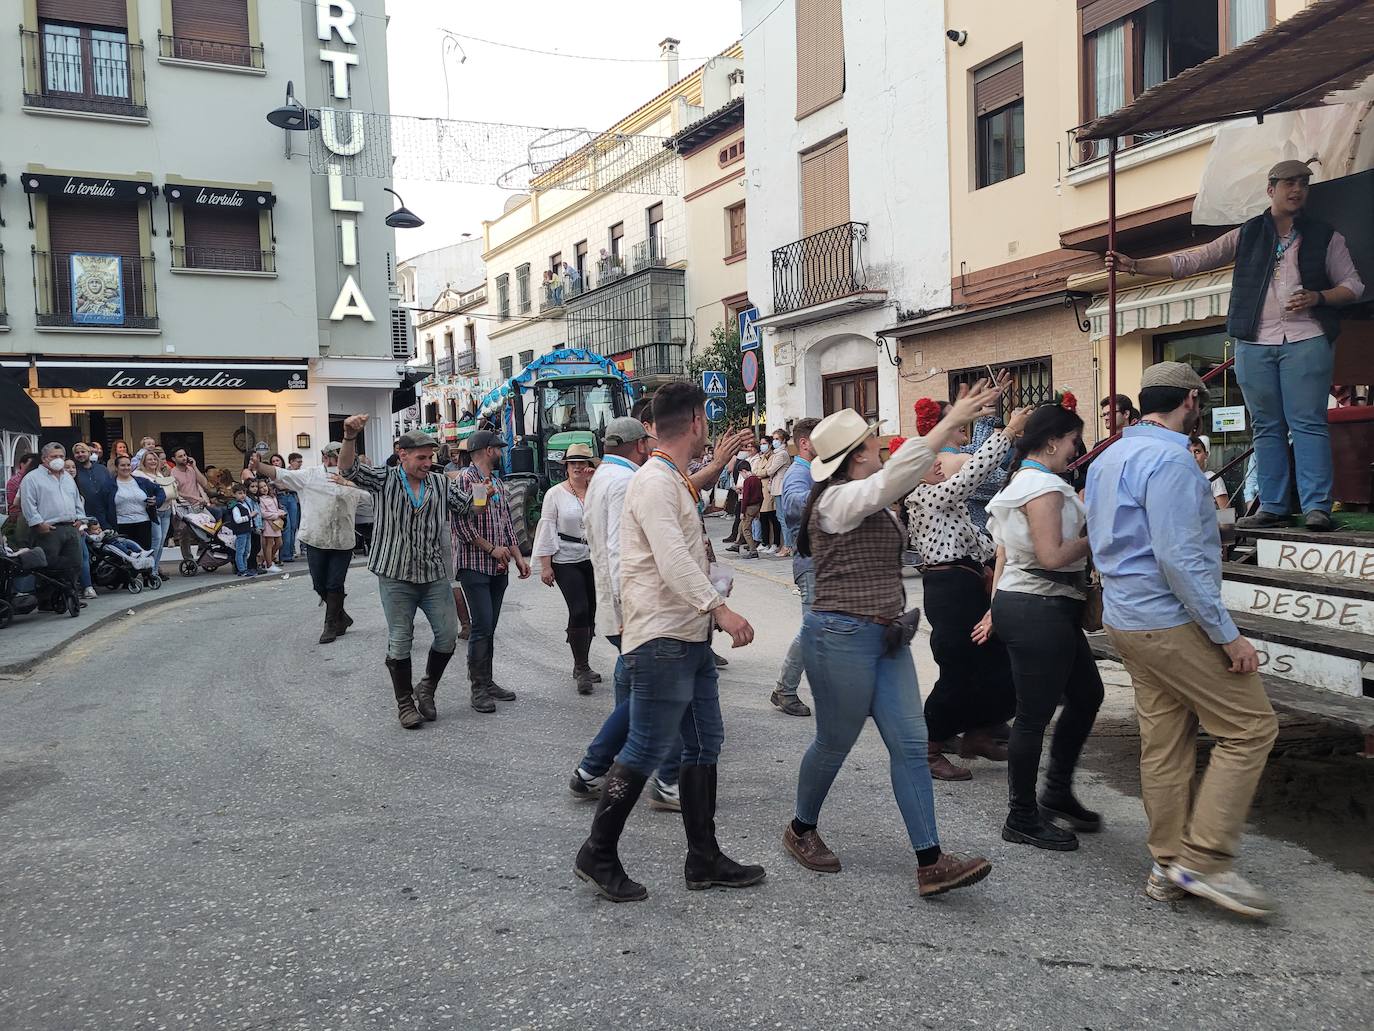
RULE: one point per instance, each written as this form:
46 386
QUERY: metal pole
1111 287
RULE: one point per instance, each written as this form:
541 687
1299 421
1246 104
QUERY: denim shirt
796 488
1152 524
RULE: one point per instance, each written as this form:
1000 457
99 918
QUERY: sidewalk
31 639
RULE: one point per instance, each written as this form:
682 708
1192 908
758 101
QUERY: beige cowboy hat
834 437
580 453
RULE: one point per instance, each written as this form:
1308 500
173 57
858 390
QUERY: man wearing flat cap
413 503
1152 525
1292 273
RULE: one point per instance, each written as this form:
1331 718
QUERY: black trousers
328 568
1050 662
975 687
770 530
142 533
578 584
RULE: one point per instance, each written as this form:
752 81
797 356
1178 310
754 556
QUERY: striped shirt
491 522
407 539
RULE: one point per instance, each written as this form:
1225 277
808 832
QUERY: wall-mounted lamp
302 442
402 217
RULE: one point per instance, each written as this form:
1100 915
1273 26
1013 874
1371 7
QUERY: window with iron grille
525 358
507 367
503 297
1032 382
522 286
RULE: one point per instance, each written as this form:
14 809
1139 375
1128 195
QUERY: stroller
214 544
117 562
56 593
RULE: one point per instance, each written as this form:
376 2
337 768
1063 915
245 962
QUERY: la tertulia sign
350 301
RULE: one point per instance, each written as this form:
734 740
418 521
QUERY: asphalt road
209 821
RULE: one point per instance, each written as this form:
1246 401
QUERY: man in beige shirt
668 605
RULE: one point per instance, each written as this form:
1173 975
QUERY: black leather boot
333 605
481 700
580 641
494 689
1057 800
429 683
1025 824
405 694
345 620
598 862
707 866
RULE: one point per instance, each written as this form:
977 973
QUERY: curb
147 600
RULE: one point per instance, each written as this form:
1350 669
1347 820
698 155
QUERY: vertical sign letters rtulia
327 23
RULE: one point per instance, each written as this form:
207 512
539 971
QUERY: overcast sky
497 84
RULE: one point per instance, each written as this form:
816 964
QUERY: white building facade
173 266
847 193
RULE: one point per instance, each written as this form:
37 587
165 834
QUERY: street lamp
292 115
402 217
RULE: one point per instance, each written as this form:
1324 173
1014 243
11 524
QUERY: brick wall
1047 333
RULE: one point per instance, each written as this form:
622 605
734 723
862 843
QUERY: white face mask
57 464
763 447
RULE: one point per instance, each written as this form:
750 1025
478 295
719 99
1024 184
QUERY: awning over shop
1164 304
204 374
404 395
87 187
18 413
234 199
1315 57
15 370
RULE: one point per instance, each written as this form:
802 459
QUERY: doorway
193 442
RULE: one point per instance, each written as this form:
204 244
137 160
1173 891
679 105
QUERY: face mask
763 448
57 464
739 456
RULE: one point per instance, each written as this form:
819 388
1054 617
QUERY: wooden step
1335 602
1289 695
1350 555
1337 660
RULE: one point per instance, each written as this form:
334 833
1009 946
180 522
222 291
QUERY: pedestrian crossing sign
713 384
748 329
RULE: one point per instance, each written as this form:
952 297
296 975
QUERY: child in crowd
243 516
273 521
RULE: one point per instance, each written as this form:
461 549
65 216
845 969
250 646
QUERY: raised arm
726 448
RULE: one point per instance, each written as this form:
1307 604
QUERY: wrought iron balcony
79 69
646 254
98 291
444 366
223 259
609 269
658 361
466 361
210 51
820 268
560 291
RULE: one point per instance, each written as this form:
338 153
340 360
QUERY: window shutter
998 90
217 21
222 239
93 227
1097 13
825 187
100 13
820 54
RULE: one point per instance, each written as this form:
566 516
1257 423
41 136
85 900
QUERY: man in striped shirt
413 503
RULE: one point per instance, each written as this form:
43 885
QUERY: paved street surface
208 821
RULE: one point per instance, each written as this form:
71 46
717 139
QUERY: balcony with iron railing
89 71
647 254
4 312
824 267
659 361
93 291
198 258
465 361
210 51
1088 159
559 292
443 367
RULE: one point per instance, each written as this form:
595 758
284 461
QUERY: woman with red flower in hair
974 694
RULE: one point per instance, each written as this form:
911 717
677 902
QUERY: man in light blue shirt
1153 529
796 489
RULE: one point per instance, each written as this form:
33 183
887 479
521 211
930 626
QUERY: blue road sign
748 332
713 383
715 409
749 370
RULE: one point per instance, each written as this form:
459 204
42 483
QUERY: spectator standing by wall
95 483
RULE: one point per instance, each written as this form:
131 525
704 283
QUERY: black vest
1255 268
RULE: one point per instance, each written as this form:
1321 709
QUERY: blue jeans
673 686
291 505
610 739
85 563
328 568
400 599
1285 388
162 522
851 679
243 546
484 594
793 665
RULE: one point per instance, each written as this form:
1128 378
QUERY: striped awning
1164 304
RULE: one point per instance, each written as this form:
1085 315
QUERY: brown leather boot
809 850
333 623
951 871
941 768
980 743
580 641
405 698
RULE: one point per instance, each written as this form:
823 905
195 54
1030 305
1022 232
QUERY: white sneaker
1160 888
1227 889
273 568
89 592
584 785
664 796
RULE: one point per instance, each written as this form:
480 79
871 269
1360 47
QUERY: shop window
999 113
820 54
857 390
734 224
211 32
522 287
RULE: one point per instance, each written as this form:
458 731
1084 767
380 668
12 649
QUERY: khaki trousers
1182 680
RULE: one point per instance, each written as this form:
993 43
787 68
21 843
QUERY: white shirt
1010 529
562 514
45 498
843 506
131 504
327 508
605 503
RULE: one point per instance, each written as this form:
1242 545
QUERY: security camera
956 36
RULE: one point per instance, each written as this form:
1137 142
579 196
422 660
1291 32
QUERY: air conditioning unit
402 335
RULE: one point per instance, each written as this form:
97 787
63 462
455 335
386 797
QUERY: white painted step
1334 660
1312 599
1330 554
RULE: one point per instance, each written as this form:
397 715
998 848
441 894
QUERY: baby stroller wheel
135 586
188 567
154 582
73 604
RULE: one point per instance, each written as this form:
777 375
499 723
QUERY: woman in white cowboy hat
560 545
856 661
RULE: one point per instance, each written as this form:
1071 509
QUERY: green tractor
563 398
